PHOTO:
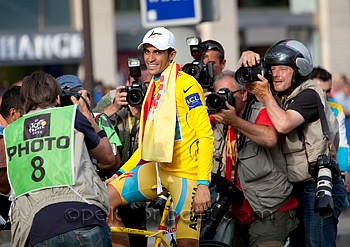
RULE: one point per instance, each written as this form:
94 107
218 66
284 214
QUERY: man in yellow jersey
175 144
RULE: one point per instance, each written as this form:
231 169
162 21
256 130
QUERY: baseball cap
159 37
69 81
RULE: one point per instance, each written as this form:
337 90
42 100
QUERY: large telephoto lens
324 201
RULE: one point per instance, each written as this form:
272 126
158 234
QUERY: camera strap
133 133
246 115
219 159
324 125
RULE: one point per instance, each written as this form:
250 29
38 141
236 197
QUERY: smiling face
281 77
156 60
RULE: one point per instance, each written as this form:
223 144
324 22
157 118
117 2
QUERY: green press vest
262 173
40 150
88 188
316 145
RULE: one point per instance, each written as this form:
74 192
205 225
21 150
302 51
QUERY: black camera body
228 193
326 170
66 94
246 75
200 71
135 93
217 100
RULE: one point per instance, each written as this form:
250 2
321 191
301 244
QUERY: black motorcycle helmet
292 53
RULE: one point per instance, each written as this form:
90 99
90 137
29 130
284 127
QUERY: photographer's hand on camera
103 151
249 59
227 116
261 89
201 200
82 105
120 99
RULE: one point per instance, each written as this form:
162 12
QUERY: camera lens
134 97
243 76
215 101
324 201
192 70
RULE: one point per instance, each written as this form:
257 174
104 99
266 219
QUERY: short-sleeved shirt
305 103
83 125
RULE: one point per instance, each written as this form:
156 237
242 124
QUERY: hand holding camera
215 101
137 91
81 98
249 59
253 70
120 98
223 99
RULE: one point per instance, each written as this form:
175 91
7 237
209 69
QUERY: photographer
73 84
59 199
323 78
266 216
124 117
214 52
11 110
306 139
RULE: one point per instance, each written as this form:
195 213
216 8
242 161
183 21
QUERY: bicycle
159 234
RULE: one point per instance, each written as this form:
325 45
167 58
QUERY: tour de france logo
37 126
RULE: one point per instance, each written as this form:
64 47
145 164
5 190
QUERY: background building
47 34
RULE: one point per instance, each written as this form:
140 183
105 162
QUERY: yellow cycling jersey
193 141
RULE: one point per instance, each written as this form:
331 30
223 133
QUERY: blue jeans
313 230
85 236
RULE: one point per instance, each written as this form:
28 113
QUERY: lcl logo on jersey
193 101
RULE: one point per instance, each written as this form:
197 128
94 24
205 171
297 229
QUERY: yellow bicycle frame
159 235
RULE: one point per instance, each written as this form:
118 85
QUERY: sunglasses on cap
213 47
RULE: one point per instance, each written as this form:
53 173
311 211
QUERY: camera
245 75
137 91
326 171
200 71
67 93
217 100
228 193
